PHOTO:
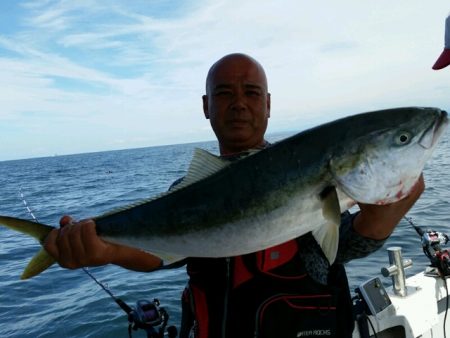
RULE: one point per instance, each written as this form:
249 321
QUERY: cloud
132 73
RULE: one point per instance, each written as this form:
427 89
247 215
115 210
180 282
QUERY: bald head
232 61
237 103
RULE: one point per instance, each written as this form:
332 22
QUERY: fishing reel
152 318
432 242
434 239
438 256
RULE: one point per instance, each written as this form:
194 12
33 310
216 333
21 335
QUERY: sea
62 303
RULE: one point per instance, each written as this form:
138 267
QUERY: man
288 290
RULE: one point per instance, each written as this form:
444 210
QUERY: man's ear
268 105
205 106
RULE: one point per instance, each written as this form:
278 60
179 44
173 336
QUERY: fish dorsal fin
203 164
328 235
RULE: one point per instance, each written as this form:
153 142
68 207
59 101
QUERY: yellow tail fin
42 260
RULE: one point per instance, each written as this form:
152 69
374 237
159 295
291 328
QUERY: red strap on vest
266 260
201 310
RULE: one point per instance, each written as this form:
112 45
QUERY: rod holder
397 270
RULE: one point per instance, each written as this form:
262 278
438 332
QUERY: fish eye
403 138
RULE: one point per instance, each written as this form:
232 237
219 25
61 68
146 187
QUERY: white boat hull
419 314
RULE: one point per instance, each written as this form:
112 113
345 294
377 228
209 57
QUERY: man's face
237 104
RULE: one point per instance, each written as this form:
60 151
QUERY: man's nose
239 102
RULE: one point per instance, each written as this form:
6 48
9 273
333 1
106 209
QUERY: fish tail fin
42 260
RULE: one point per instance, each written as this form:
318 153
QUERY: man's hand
378 221
77 245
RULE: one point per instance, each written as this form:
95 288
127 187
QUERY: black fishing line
371 325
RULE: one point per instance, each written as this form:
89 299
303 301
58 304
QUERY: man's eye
223 93
253 93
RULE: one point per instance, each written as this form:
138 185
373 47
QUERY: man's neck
230 152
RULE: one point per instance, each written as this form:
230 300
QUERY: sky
85 76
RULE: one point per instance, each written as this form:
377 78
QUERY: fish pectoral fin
328 238
328 235
40 262
331 209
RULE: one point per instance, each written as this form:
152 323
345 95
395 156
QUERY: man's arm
77 245
365 232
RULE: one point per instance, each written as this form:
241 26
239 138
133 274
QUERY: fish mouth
433 133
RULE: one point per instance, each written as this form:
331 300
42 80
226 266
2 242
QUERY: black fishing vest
264 294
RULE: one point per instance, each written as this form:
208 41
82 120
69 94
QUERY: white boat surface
416 309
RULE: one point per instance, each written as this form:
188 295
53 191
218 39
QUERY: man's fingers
65 220
65 243
50 243
75 245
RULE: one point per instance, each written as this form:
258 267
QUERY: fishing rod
147 315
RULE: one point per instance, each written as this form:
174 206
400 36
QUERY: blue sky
83 76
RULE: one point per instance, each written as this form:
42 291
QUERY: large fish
225 208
